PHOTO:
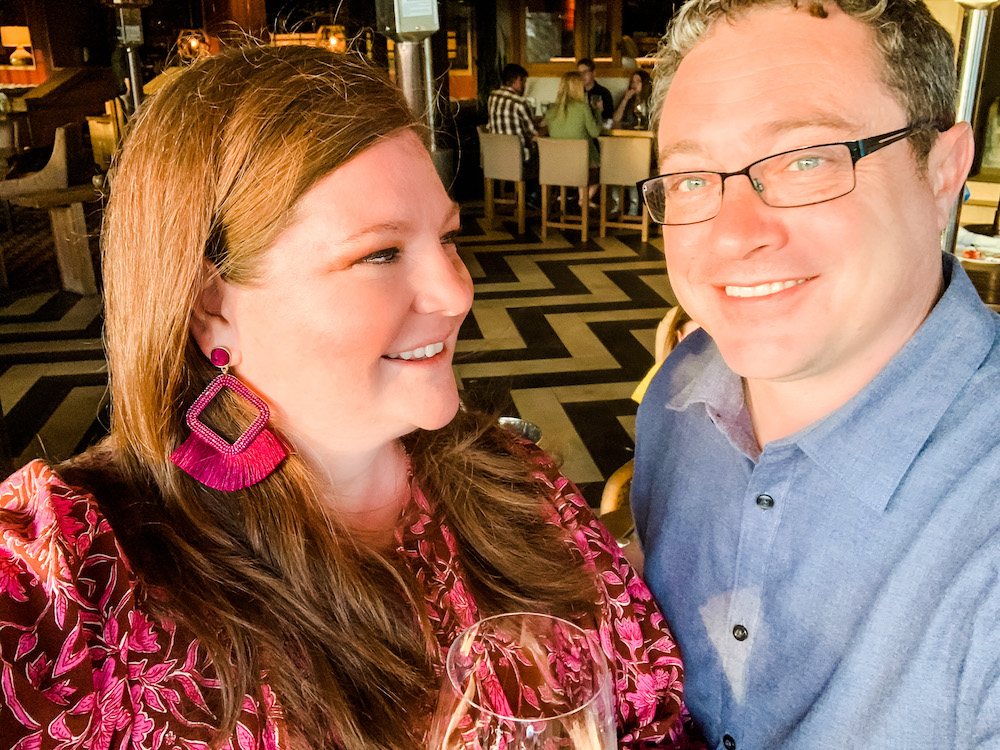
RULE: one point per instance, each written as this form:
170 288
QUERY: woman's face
350 332
635 83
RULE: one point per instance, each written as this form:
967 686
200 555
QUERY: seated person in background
633 110
570 117
817 482
508 112
599 97
283 562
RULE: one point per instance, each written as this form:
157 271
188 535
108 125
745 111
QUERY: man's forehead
772 71
818 122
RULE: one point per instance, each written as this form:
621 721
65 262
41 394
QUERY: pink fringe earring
213 461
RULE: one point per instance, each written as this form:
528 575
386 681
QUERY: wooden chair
624 161
501 159
616 514
564 163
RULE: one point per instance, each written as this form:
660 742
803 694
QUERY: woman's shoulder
38 497
52 534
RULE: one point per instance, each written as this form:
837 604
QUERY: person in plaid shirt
509 112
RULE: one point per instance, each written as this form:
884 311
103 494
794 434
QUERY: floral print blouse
81 666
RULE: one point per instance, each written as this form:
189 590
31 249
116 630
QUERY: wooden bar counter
69 229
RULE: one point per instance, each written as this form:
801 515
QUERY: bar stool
501 159
564 163
624 161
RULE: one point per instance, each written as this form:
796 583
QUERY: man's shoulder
505 93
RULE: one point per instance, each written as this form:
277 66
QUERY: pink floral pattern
81 666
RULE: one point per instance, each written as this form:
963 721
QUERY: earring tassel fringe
229 471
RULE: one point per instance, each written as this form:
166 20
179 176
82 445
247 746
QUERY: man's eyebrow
779 127
389 227
681 147
832 121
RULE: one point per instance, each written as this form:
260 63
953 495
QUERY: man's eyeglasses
800 177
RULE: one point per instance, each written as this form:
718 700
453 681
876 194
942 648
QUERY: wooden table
69 229
629 133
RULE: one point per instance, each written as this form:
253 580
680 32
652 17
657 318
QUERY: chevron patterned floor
559 334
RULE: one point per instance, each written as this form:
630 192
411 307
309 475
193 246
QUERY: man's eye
804 163
450 238
687 184
386 255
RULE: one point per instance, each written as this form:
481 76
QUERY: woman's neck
365 490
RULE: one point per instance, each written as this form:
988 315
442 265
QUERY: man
818 471
509 113
598 96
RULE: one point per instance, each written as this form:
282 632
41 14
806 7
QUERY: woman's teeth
421 352
761 290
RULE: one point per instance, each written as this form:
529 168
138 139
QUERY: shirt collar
870 442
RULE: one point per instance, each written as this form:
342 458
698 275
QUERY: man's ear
948 166
209 325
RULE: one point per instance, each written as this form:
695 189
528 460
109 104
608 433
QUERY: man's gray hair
918 52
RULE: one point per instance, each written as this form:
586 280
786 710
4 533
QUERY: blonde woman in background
571 117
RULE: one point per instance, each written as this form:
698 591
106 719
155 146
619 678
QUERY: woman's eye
449 239
385 255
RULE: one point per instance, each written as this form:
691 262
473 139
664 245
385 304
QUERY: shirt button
765 501
740 633
729 742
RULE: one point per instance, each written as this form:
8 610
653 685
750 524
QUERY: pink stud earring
212 460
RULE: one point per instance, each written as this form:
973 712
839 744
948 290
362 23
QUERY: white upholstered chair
624 161
564 163
500 156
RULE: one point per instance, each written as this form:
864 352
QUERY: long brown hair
264 577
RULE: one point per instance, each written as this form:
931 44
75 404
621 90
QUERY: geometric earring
210 458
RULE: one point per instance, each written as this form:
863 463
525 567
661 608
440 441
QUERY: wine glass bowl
523 681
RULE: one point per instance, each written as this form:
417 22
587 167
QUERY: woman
570 116
632 112
279 556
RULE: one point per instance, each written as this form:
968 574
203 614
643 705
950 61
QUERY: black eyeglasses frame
858 150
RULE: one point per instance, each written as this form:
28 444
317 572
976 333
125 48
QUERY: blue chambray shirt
839 589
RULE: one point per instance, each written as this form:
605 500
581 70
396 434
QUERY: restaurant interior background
74 61
561 330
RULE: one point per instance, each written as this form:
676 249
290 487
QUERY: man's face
824 293
587 75
519 85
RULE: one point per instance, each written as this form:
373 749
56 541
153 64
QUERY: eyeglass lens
795 178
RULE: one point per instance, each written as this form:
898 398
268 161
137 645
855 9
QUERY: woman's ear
209 325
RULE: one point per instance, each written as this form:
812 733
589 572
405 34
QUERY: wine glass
525 681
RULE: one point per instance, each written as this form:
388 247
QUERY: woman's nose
443 284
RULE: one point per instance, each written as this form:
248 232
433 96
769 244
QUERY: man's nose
744 222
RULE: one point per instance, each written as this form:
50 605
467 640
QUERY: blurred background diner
562 327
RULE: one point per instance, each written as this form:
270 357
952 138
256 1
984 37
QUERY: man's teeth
761 290
421 352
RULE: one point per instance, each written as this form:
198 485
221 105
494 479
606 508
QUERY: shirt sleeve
49 548
527 122
634 635
592 124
